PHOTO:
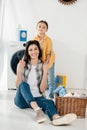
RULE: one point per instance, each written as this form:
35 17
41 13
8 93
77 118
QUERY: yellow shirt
47 48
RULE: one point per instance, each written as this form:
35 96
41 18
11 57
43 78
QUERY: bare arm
43 84
20 67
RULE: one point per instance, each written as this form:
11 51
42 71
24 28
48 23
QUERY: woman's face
33 51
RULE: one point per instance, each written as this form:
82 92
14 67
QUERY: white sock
56 117
38 108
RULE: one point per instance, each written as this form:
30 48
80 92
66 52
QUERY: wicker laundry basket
67 105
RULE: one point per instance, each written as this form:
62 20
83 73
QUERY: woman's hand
21 66
45 67
43 84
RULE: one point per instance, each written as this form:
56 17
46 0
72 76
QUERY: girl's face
33 51
41 28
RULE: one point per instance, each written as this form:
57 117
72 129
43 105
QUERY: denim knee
24 84
50 103
24 95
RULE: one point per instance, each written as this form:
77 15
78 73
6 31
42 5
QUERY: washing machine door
15 59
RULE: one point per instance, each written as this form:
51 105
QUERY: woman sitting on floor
31 84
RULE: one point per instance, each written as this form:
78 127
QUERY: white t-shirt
32 81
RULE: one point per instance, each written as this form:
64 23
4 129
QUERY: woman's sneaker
40 116
64 120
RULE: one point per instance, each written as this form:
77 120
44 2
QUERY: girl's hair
27 57
42 21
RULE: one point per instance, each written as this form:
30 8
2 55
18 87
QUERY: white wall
1 46
3 69
67 28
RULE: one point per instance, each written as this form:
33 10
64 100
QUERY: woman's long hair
27 57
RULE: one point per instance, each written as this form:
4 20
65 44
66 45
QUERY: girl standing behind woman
31 84
48 54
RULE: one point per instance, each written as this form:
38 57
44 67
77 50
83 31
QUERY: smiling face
41 28
33 51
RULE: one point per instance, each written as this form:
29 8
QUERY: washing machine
15 54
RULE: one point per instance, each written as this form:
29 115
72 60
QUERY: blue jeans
50 81
24 96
